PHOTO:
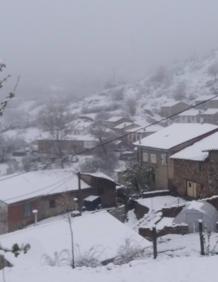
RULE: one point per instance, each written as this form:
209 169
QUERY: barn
49 192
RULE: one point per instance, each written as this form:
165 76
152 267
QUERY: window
200 168
153 158
27 209
145 157
163 159
52 204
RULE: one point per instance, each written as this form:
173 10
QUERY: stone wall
177 229
140 210
204 173
185 170
172 211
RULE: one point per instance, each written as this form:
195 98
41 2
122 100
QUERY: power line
193 106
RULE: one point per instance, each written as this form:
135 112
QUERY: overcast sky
61 45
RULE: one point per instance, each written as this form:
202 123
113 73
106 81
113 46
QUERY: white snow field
182 269
178 260
98 230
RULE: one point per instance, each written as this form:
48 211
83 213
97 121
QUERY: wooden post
154 239
200 226
79 194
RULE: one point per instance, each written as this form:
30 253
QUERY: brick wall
16 217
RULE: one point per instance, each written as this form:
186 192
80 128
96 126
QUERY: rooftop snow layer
115 119
99 174
191 112
175 134
210 111
124 124
17 187
199 150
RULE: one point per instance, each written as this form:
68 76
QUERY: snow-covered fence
175 229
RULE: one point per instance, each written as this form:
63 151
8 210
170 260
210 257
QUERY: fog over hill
141 100
76 46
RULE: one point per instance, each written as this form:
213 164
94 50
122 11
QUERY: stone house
190 116
210 104
72 145
155 150
210 116
195 169
105 187
116 120
50 192
172 108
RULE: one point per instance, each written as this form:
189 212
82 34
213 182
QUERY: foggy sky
68 45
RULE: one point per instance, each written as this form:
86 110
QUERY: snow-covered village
109 141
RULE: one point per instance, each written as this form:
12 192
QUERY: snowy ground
184 264
160 202
178 260
99 231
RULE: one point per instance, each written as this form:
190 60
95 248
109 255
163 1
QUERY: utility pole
79 193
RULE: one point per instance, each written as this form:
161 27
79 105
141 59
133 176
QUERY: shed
51 192
92 202
105 187
195 211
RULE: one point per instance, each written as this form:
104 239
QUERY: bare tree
131 106
8 146
129 251
105 157
213 70
180 91
55 119
10 95
161 77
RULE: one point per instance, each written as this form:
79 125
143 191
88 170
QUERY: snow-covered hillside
142 100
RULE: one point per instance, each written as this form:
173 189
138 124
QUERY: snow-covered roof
75 137
99 174
124 124
207 97
172 103
83 137
91 198
115 118
29 134
210 111
199 150
191 112
18 187
137 128
175 134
